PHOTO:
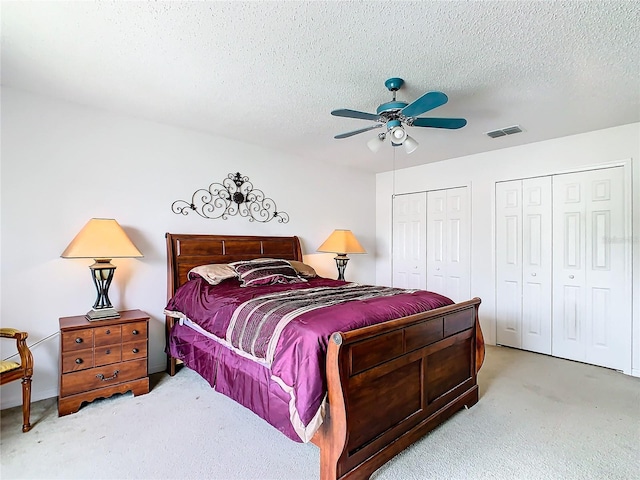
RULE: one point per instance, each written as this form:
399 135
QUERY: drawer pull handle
108 332
135 332
135 350
104 379
78 340
108 352
78 361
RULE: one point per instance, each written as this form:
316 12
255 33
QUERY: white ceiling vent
504 131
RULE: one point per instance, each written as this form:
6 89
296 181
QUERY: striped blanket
256 324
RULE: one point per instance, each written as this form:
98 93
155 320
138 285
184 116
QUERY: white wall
481 171
63 164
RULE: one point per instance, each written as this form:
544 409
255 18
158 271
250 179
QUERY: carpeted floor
538 418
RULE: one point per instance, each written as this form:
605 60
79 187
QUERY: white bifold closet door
524 264
409 240
448 243
591 294
431 242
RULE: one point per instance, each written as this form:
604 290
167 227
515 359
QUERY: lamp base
102 314
102 274
341 262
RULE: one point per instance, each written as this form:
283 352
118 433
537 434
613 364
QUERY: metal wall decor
234 196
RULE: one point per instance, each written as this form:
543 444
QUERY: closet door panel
409 240
608 323
448 243
569 276
536 264
453 270
437 239
509 263
458 245
592 311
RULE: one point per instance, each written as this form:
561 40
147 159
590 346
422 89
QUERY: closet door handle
533 274
571 277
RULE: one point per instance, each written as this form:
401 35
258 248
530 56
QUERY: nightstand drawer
77 340
78 382
107 335
107 354
134 350
80 360
134 331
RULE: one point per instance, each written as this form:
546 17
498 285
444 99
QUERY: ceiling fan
395 114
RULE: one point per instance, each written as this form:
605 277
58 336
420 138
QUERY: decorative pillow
265 271
304 270
214 273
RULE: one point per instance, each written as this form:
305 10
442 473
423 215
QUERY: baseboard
635 372
11 401
157 368
15 400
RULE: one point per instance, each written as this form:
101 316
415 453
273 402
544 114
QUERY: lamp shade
341 241
375 143
410 144
101 238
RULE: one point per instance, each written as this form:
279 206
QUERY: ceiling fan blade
344 112
451 123
426 102
355 132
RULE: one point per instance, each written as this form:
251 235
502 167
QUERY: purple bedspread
299 360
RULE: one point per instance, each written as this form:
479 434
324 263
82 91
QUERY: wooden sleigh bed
388 384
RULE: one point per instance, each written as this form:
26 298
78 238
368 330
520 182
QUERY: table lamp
341 242
102 239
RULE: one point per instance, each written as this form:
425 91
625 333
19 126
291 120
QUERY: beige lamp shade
341 241
101 238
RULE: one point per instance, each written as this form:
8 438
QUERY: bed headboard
185 251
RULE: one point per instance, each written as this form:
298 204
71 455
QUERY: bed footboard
390 384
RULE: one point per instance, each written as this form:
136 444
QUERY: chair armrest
26 358
8 332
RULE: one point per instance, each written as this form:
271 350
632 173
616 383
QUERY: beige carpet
538 418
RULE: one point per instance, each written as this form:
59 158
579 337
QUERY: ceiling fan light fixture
398 135
410 144
376 143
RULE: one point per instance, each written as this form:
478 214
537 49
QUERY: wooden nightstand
101 358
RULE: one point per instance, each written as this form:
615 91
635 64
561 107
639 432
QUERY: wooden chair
10 371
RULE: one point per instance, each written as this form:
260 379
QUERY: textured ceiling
269 73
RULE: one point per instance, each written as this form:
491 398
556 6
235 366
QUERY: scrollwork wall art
234 196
